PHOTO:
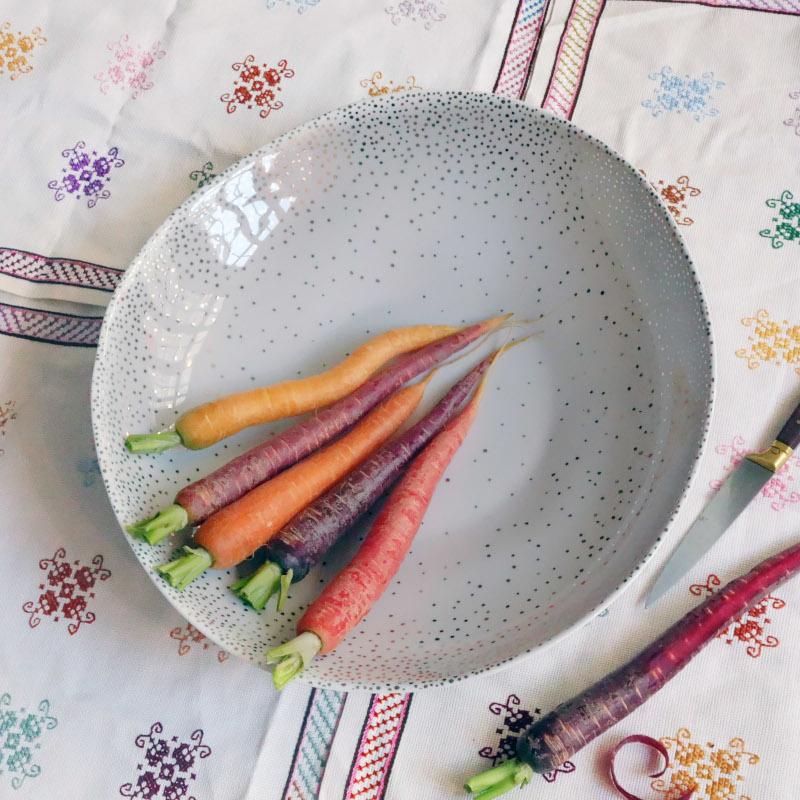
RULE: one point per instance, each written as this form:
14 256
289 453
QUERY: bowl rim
707 411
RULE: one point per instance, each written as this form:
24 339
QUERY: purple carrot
556 737
306 539
199 500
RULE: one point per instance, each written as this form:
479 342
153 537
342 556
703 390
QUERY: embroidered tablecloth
111 116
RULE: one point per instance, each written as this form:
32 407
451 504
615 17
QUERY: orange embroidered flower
704 771
25 43
725 761
766 329
764 351
793 333
792 356
680 783
722 789
689 753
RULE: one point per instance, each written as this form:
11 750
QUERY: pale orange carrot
210 422
232 534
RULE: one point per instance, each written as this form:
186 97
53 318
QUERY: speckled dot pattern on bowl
436 208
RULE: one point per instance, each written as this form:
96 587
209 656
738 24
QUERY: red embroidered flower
748 631
60 572
67 589
84 577
249 73
672 194
257 86
265 98
272 76
75 607
242 94
48 603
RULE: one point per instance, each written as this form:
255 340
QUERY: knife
732 498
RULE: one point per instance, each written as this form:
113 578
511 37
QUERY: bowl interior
447 208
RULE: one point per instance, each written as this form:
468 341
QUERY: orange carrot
232 534
209 423
345 601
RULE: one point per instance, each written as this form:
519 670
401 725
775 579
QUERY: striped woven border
573 53
36 268
523 41
377 747
769 6
323 712
49 326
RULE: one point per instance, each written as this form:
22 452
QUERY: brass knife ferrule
774 457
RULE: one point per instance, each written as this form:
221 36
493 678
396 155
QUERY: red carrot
351 594
199 500
306 539
556 737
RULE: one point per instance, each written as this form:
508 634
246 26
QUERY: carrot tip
498 780
152 442
158 527
256 589
293 657
181 571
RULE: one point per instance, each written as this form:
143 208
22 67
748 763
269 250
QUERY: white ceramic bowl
442 208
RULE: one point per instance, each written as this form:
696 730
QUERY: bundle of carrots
300 491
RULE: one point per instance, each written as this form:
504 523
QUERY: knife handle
779 452
790 432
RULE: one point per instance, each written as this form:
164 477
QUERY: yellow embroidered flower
763 351
766 329
25 43
792 356
793 333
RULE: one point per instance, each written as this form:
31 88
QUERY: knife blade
730 500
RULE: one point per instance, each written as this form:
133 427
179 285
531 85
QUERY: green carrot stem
293 657
493 782
154 529
181 571
286 582
152 442
256 589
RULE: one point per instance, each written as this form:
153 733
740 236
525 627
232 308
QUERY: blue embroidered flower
8 719
688 94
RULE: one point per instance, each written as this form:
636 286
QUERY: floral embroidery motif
66 591
770 342
376 86
778 489
203 175
675 196
15 49
168 767
8 413
129 67
301 6
188 635
86 174
750 628
787 228
20 734
257 86
515 721
713 773
427 12
683 94
89 469
794 120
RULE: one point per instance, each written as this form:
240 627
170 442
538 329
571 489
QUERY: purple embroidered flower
156 752
92 188
176 790
78 161
71 183
146 787
184 756
167 771
85 176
